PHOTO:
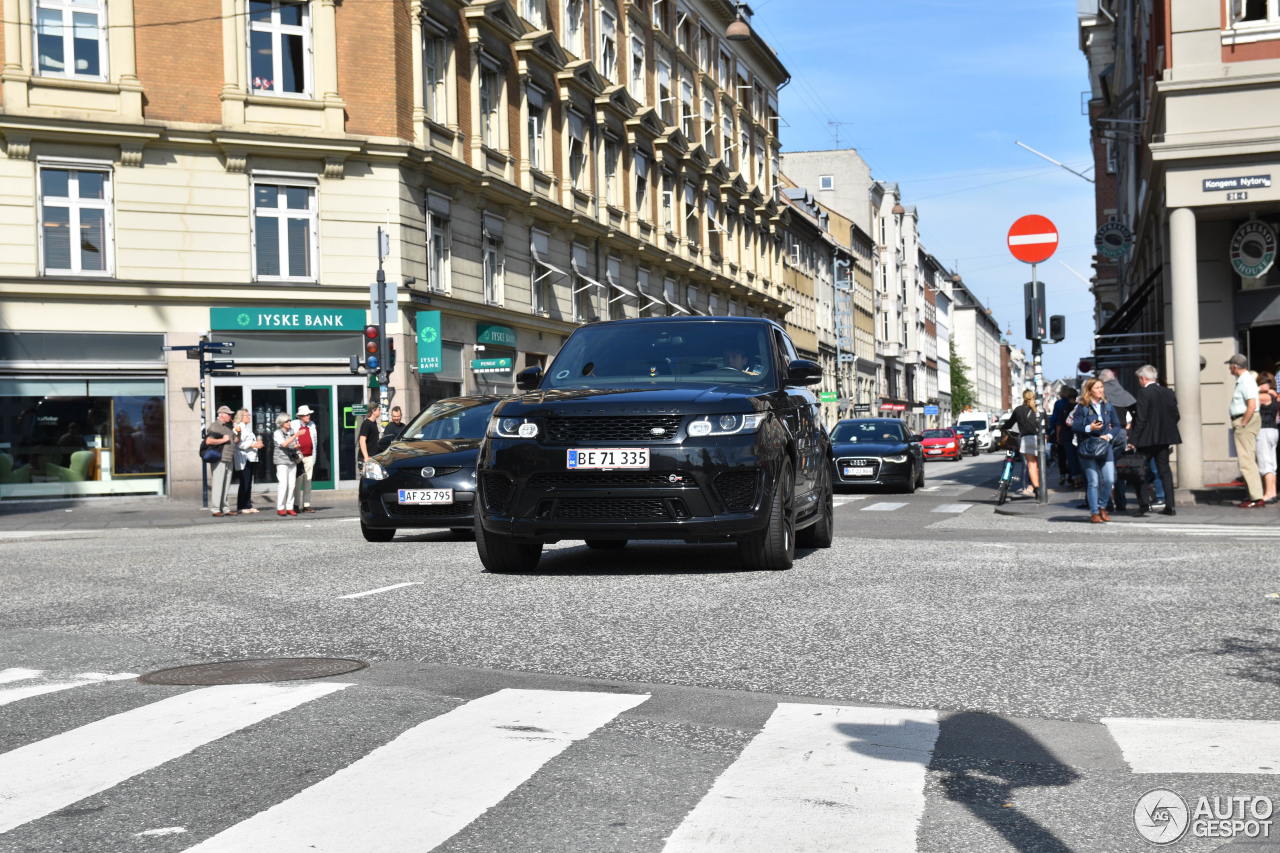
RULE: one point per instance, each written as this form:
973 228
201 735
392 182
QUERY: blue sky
934 93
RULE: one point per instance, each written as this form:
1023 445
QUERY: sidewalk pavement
1212 506
135 512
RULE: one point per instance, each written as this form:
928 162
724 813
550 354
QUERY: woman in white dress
247 446
285 455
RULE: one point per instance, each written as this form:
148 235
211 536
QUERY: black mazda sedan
876 452
700 429
427 479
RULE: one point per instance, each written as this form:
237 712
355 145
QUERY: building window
75 202
1254 12
685 32
617 293
490 104
573 25
71 39
709 123
284 231
692 228
612 152
435 65
744 145
668 202
534 11
577 150
641 165
666 97
707 51
543 272
724 68
584 287
713 232
608 45
649 304
280 47
438 243
686 106
713 304
825 182
493 261
761 162
537 130
661 14
692 299
637 70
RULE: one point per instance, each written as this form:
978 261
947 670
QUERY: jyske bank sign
1253 249
286 319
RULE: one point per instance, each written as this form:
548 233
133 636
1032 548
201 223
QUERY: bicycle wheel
1002 494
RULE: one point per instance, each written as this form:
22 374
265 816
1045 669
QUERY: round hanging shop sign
1253 249
1113 239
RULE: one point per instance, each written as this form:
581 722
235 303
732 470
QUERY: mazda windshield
451 419
665 355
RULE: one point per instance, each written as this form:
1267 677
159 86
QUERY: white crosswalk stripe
955 509
1169 745
431 781
34 686
841 500
883 506
818 777
58 771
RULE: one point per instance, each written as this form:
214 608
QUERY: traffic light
1057 328
372 348
1084 365
391 355
1033 301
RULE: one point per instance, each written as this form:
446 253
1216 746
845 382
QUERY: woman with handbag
247 446
1097 426
286 457
1026 418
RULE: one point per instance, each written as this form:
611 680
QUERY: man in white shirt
1244 427
309 445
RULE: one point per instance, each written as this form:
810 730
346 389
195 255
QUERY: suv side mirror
916 439
801 371
528 379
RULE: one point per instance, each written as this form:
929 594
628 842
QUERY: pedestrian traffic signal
372 348
1033 302
391 355
1057 328
1085 365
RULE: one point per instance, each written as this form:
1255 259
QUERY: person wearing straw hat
309 446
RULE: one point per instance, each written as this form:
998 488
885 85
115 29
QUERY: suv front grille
612 509
606 479
496 489
600 430
738 489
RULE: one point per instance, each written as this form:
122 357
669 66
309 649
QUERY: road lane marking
1173 745
53 773
847 499
883 506
40 688
845 775
430 782
381 589
952 508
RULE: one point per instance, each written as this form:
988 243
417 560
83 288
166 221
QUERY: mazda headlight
374 471
512 428
726 424
897 460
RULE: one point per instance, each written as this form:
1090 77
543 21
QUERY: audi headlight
374 471
726 424
512 428
897 460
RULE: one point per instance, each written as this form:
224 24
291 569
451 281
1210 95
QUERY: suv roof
630 321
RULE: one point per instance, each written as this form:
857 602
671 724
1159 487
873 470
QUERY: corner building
218 169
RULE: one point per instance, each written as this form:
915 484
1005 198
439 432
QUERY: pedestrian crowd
230 446
1109 441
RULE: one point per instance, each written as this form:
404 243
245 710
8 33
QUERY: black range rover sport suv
692 428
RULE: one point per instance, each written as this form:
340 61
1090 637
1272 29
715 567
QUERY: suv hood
716 399
440 452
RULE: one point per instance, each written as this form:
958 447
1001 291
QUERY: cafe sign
495 335
259 319
1253 249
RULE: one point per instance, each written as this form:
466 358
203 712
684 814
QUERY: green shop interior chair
9 475
76 472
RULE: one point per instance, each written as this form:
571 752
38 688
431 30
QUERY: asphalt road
942 679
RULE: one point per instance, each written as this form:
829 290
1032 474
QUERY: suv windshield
458 418
855 431
655 354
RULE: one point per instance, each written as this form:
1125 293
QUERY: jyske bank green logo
428 335
243 319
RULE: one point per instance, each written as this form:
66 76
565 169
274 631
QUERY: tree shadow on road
981 760
1258 657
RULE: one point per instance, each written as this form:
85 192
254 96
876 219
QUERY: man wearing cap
1244 427
220 435
309 446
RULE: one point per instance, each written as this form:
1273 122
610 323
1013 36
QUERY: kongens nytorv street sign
256 318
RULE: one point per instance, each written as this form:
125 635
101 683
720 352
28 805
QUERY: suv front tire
774 548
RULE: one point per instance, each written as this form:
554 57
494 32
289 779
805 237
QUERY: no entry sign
1033 239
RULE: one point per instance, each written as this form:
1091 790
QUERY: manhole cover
253 671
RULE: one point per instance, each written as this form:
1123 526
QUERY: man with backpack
219 437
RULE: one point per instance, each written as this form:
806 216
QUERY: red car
942 444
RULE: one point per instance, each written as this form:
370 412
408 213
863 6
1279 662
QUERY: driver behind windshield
735 357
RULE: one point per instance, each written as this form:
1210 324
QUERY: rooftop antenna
836 125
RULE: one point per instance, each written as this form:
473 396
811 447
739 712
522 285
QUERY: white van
981 423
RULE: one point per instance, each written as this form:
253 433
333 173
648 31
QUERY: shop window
280 47
637 86
438 243
284 231
490 105
608 56
577 150
435 74
537 129
82 437
494 261
71 39
75 202
573 26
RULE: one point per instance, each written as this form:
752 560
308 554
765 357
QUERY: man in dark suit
1155 430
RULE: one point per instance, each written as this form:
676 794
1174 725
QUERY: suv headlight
726 424
512 428
374 471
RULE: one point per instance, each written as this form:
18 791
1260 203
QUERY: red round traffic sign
1033 239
